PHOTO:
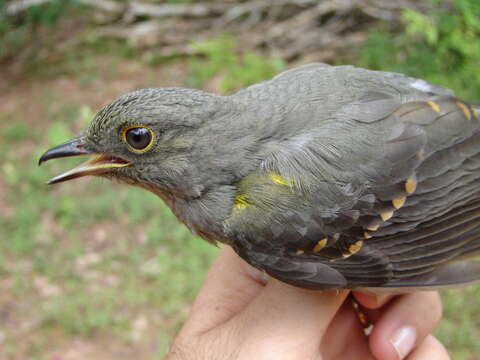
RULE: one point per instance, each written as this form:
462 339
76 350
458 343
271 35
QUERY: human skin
238 315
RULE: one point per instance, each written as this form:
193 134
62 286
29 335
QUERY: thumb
285 311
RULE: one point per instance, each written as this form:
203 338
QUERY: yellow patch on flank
241 201
386 215
373 227
320 245
435 107
278 179
399 202
465 109
366 235
410 186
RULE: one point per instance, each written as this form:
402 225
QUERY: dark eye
139 138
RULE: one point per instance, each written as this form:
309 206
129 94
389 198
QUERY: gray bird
323 177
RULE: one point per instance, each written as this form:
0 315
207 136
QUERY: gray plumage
324 177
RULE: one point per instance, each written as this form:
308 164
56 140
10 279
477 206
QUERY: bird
323 177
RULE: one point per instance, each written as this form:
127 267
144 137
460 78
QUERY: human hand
238 316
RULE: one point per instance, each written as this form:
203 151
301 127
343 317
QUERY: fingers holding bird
238 309
401 323
305 311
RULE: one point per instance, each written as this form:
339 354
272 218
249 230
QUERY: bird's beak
99 163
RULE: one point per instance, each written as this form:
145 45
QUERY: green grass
460 328
144 260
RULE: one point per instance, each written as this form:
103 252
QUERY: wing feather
387 197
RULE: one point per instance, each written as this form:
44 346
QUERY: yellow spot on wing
373 227
386 215
410 186
465 109
354 248
278 179
241 201
435 107
399 202
300 252
366 235
320 245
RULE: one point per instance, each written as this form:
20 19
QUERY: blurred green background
91 269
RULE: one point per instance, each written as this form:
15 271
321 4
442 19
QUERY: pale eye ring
138 138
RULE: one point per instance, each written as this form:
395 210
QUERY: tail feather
455 273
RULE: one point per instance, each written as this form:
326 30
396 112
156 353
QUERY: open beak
98 164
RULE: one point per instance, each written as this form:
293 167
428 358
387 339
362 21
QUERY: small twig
137 9
256 7
294 23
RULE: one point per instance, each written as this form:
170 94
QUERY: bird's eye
139 138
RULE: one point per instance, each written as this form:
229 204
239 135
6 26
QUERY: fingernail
403 340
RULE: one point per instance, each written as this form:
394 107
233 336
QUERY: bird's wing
387 198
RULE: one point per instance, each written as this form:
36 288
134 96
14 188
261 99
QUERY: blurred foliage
442 47
15 30
86 291
221 61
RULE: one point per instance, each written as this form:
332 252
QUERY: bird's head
143 138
